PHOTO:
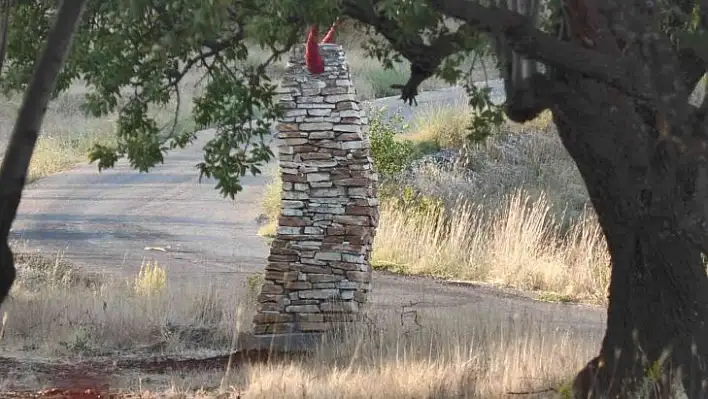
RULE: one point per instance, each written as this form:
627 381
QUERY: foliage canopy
134 54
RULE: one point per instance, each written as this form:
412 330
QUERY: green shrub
391 155
411 201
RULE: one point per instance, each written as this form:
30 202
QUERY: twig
234 344
532 392
414 313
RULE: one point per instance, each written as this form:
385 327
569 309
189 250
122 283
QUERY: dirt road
110 221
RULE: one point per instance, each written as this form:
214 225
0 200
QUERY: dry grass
446 127
451 356
525 221
55 310
543 123
510 160
151 279
471 353
520 245
67 134
271 203
441 127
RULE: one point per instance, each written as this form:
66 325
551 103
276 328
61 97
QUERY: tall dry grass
519 245
66 136
518 213
516 157
452 355
271 203
58 314
57 310
441 127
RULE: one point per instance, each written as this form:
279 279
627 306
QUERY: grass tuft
518 246
151 279
441 128
543 123
271 204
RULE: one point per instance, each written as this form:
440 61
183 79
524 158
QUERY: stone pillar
318 273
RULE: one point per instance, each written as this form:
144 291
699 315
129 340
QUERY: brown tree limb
424 58
15 165
618 72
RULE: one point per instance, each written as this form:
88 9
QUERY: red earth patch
90 379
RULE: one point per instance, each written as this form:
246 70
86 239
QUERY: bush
412 202
391 156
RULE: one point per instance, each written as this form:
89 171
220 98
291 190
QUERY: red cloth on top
313 59
329 37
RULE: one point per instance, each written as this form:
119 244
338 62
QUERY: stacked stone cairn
318 272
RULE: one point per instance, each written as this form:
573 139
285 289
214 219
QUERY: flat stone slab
294 342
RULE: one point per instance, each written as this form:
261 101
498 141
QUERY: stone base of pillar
293 342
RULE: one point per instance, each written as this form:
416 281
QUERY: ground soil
89 379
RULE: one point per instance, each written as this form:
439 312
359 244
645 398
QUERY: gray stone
314 126
319 294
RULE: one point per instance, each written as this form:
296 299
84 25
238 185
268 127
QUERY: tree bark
658 296
15 165
618 94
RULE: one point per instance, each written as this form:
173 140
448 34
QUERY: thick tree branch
618 72
424 58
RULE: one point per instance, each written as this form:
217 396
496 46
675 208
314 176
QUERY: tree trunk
15 165
658 295
658 303
640 158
